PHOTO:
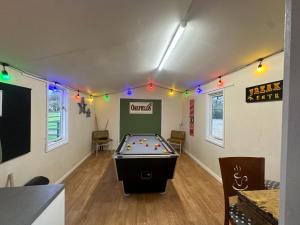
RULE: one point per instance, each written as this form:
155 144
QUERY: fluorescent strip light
172 45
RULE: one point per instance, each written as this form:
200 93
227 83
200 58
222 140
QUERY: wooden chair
240 173
177 138
100 139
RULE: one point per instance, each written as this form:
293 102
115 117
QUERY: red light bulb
150 86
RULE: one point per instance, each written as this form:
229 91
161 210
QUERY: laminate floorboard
95 197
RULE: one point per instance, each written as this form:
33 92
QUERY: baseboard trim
212 173
72 169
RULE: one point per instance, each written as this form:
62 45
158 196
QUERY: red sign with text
192 110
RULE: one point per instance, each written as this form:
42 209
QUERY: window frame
65 135
209 137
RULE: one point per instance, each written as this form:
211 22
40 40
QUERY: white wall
58 162
171 111
250 129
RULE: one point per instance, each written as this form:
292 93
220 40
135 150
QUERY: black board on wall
15 121
140 123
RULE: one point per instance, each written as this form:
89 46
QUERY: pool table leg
124 193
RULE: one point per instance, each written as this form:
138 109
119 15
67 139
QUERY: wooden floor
94 196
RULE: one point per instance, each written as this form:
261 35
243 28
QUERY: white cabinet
54 214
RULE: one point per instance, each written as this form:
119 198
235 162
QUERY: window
215 131
57 116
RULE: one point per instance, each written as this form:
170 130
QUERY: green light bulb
5 75
186 93
106 98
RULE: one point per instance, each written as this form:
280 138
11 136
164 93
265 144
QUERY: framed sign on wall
140 107
265 92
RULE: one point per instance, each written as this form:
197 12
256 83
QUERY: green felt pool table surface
148 144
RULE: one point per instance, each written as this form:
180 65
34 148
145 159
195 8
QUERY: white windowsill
54 145
215 141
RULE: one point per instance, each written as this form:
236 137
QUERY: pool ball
158 145
147 145
155 148
133 143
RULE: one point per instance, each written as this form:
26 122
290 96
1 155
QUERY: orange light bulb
220 82
77 97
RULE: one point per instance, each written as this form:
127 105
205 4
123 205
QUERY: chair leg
180 148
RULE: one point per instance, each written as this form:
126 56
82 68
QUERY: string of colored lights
33 76
5 76
150 86
259 70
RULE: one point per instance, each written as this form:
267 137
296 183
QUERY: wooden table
261 206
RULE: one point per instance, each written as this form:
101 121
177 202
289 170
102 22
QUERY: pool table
144 163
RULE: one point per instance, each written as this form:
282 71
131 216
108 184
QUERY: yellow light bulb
171 92
91 98
261 68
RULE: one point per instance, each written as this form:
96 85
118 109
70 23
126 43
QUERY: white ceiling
105 45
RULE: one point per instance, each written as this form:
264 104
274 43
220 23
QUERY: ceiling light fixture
172 44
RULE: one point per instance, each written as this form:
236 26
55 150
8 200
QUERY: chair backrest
178 134
241 173
100 135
